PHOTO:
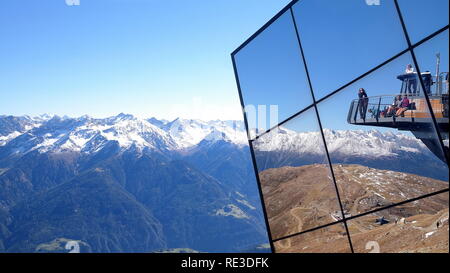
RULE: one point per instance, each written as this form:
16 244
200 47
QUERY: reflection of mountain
300 198
126 184
388 151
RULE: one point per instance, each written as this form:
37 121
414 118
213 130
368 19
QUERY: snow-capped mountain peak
86 134
345 142
189 132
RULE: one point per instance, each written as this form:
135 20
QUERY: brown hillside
301 198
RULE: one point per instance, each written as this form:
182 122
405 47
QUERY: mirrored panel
423 17
344 39
433 58
271 72
297 186
381 140
419 226
331 239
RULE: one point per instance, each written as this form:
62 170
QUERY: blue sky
341 40
171 58
162 58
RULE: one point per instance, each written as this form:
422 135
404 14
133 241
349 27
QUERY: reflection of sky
333 111
341 40
344 39
306 122
431 13
426 53
270 70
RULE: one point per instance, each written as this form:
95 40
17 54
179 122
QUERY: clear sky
163 58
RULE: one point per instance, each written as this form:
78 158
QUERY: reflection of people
409 69
403 106
427 81
375 112
394 106
446 82
411 82
362 103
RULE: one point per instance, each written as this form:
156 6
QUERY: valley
124 184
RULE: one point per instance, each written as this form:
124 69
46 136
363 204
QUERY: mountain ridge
372 148
195 177
88 134
137 168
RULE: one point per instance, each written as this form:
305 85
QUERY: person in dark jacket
362 103
427 81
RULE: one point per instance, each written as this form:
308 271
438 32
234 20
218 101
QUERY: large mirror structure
360 147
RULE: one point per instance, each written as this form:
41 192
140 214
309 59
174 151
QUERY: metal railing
441 83
385 106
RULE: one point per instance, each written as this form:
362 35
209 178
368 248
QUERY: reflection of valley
298 199
301 198
424 233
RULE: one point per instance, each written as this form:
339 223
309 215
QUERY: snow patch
246 203
7 138
233 211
